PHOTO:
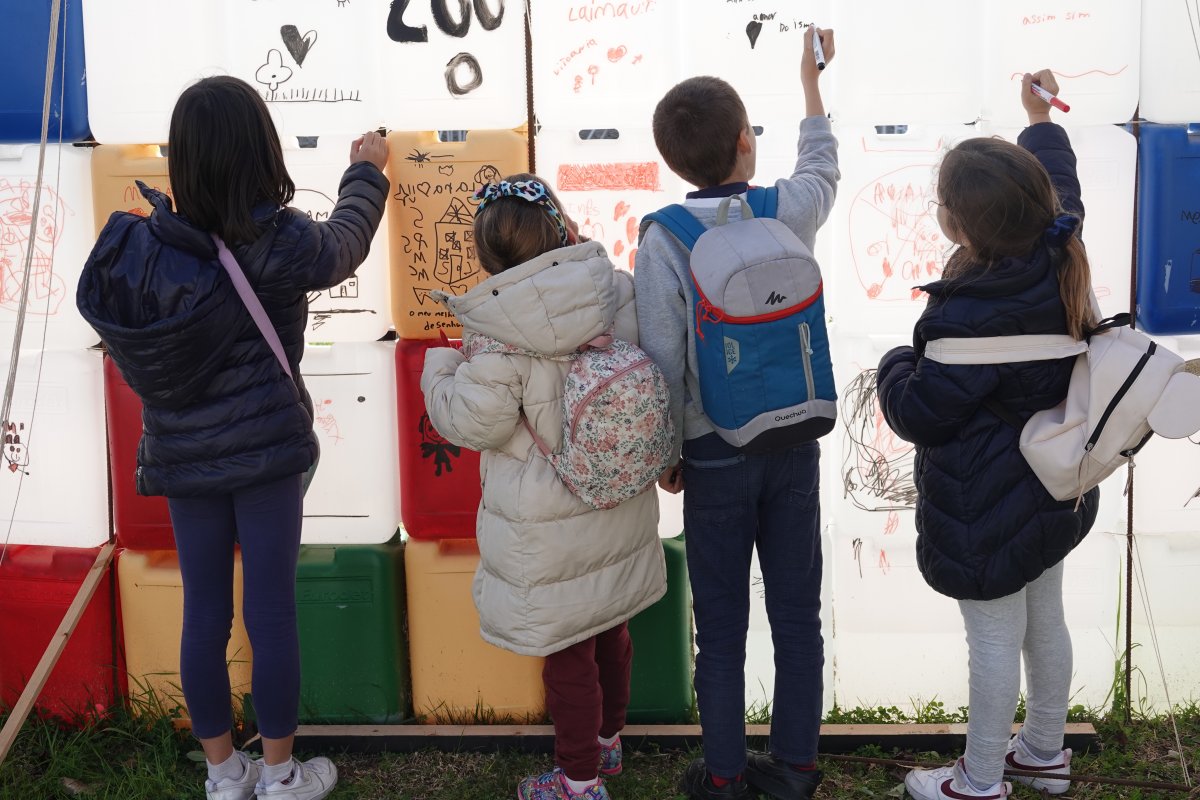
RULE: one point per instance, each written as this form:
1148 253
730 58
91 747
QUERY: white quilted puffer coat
553 571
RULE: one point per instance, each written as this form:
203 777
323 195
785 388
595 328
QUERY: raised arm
1049 143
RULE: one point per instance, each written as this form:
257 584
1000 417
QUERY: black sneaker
697 785
777 779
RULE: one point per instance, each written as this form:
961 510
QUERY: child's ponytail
1075 288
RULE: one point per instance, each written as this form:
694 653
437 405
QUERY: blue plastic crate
23 63
1168 257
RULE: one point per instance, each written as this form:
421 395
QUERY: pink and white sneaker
950 783
610 758
1057 770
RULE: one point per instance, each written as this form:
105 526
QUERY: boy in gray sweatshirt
735 501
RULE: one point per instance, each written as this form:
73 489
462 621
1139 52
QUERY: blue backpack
766 379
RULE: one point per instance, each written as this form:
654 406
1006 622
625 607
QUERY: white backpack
617 432
1124 389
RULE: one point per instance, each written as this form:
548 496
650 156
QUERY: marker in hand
818 51
1049 98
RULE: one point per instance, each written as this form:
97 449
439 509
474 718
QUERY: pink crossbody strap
253 304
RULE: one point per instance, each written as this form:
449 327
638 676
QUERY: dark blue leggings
266 523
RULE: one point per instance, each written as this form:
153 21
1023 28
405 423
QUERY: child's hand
808 61
671 480
1037 108
370 147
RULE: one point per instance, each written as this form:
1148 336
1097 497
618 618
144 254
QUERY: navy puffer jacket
986 526
219 412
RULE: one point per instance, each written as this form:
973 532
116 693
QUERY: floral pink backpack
617 432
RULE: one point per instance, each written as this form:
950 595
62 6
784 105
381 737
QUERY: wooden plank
54 650
540 738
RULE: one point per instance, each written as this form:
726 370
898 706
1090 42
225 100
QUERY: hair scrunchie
529 191
1061 230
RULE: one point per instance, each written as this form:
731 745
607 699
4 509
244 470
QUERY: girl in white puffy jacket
557 578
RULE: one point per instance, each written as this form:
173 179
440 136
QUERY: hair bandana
529 191
1061 230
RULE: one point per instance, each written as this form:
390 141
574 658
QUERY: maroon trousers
587 692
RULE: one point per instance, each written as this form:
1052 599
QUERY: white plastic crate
886 72
358 309
1092 48
603 65
608 185
323 66
64 237
54 449
884 224
355 495
1170 62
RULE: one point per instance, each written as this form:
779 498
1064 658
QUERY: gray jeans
1030 623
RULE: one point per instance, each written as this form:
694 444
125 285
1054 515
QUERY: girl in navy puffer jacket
227 434
988 533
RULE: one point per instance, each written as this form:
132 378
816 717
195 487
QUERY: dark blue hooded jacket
219 413
986 526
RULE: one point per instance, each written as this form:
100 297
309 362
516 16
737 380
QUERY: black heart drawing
446 169
296 44
752 30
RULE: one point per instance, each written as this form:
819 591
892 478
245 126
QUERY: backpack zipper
806 356
596 390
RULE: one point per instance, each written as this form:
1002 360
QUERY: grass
145 758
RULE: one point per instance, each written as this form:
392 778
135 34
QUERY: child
556 577
989 535
228 434
734 501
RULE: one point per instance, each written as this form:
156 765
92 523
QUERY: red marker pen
1049 98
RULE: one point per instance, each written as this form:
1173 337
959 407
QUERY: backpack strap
679 222
764 202
1003 349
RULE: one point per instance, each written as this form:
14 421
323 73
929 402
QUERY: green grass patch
128 757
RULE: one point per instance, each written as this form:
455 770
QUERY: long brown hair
511 230
1000 201
224 158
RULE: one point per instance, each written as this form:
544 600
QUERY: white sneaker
310 780
230 789
950 783
1019 757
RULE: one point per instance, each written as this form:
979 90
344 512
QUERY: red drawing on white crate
47 291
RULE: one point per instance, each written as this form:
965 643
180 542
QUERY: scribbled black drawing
446 23
319 318
434 446
487 20
274 72
298 45
487 174
421 158
857 545
877 466
753 29
456 86
399 31
16 452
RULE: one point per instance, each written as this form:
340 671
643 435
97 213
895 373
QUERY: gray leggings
1029 622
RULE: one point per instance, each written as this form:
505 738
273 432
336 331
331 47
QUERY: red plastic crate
439 482
37 585
141 523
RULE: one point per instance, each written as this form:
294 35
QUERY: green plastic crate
350 602
663 654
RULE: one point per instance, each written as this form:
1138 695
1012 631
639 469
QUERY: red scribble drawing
327 422
562 63
637 59
895 240
877 465
885 566
631 229
615 54
46 290
618 248
619 176
632 257
620 210
1017 75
